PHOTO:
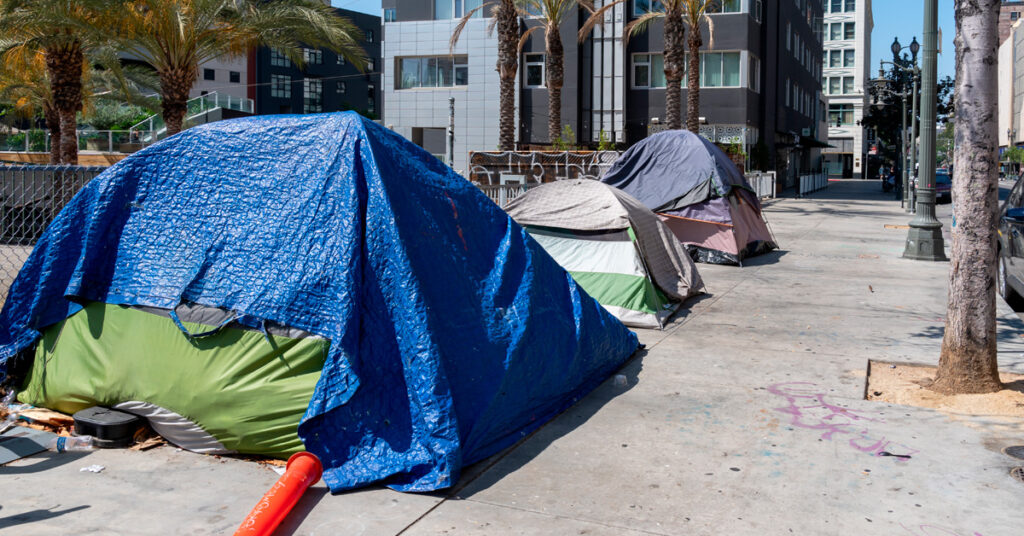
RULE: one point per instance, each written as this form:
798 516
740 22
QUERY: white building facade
846 73
421 74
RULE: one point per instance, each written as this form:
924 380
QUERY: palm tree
64 31
679 16
175 36
506 18
550 14
23 82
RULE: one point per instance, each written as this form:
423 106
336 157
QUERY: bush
109 116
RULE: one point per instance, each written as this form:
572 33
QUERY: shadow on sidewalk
481 476
764 259
37 515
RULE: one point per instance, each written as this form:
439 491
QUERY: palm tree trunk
64 66
175 85
508 65
53 125
693 82
675 63
555 76
967 363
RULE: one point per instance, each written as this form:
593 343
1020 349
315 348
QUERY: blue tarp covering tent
452 333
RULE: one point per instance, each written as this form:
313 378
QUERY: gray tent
614 247
698 192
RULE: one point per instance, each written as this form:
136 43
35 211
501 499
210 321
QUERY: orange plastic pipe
303 470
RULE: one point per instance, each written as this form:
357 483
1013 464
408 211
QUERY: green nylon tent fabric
245 392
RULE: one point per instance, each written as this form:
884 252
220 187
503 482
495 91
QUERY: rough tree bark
508 65
53 125
693 81
967 363
64 66
675 63
175 85
554 72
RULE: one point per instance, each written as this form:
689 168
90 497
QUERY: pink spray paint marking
808 409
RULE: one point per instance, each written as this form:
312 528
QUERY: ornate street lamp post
881 85
915 74
924 239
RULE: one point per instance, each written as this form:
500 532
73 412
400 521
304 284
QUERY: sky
893 18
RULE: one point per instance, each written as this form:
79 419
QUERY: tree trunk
693 82
175 84
508 65
675 64
967 363
555 76
64 66
53 125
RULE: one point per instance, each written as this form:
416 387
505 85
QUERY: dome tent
699 193
419 327
615 248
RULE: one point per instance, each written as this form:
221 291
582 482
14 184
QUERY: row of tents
275 284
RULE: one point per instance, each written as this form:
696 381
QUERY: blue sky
893 18
904 19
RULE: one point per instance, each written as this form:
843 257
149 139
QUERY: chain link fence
30 197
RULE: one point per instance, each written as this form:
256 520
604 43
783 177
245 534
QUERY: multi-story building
846 71
224 76
1011 88
1009 13
326 83
760 79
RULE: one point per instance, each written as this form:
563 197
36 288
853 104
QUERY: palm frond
462 25
596 18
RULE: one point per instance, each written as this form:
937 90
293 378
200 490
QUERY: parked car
1010 245
943 186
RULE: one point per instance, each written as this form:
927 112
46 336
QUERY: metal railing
502 194
105 141
30 197
487 167
763 183
154 126
812 183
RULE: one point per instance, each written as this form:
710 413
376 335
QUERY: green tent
614 247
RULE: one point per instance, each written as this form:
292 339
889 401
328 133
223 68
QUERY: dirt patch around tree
899 383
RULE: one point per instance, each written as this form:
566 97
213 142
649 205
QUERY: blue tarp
453 334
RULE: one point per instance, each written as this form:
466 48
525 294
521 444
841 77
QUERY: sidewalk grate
1017 473
1016 451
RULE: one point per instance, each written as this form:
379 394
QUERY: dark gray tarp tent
698 192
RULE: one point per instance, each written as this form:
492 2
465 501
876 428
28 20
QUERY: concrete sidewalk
745 416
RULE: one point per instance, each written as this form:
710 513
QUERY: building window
849 30
840 114
835 31
389 15
371 99
277 59
1014 15
371 65
757 10
455 9
833 85
835 58
787 92
724 6
281 86
342 88
312 95
851 6
789 37
649 71
847 85
849 57
209 74
836 6
645 6
754 76
369 36
720 69
234 77
312 56
427 72
341 60
534 70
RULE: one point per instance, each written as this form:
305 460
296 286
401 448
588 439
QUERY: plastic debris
95 468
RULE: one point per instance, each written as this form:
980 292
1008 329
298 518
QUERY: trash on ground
21 442
71 444
94 468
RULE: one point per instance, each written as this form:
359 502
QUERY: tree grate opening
1017 473
1016 451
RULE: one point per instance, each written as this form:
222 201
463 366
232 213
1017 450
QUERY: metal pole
912 205
450 157
905 200
924 239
